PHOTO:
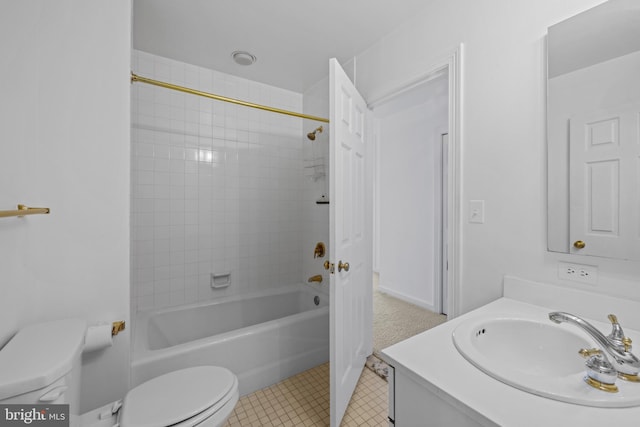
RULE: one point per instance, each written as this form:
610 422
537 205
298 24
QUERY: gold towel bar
137 78
24 210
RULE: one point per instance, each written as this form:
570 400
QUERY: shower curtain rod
24 210
137 78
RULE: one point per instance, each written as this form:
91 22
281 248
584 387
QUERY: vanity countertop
432 361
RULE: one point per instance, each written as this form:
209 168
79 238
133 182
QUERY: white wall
503 150
64 118
216 187
408 196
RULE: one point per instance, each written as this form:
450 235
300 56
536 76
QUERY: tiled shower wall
216 188
316 183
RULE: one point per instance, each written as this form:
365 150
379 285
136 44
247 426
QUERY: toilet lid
176 396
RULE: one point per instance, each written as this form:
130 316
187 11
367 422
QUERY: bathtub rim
142 353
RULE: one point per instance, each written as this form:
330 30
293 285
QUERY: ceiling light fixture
243 58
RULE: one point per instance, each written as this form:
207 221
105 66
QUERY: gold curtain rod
137 78
24 210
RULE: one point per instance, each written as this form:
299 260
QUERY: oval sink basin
539 358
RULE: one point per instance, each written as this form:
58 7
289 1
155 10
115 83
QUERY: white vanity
432 384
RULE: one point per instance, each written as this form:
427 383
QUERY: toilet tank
40 365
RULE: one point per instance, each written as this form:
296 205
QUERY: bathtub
262 337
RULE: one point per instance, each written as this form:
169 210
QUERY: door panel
350 233
604 177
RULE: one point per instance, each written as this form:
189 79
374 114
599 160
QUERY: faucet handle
319 250
600 372
588 352
617 334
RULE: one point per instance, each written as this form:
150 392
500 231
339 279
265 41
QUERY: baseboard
406 298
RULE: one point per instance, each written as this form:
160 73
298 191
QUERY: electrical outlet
578 273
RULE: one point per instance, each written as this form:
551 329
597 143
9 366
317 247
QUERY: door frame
441 264
451 63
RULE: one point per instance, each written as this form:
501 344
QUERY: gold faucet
319 251
316 278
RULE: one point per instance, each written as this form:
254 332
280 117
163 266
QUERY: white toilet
41 365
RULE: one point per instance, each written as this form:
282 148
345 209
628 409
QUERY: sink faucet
616 345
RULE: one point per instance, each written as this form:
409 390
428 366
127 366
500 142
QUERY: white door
350 240
604 190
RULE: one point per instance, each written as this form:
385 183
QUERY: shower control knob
343 266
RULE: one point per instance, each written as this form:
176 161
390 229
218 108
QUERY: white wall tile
216 186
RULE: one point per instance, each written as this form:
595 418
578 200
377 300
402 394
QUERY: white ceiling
292 39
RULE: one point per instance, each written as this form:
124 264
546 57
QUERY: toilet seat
183 398
215 415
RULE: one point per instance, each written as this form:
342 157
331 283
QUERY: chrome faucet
615 345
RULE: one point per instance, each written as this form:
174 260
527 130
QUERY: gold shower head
312 135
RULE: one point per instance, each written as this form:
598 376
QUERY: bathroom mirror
593 146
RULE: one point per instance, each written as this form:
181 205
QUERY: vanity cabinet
432 384
418 404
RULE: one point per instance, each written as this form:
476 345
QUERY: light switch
476 211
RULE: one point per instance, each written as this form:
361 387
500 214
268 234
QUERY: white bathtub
262 337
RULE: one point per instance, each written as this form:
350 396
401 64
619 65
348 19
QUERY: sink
539 357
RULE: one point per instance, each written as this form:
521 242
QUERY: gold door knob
343 266
579 244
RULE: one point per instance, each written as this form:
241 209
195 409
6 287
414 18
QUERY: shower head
312 135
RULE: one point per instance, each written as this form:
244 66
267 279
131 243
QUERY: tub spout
317 278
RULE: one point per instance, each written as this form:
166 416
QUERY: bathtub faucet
616 345
319 250
317 278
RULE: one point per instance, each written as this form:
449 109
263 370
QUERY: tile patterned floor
303 400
